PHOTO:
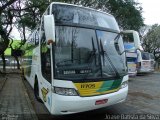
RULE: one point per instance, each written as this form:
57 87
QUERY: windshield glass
128 38
67 14
128 41
77 54
151 56
131 59
145 56
111 54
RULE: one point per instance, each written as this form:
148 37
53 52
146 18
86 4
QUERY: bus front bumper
141 70
62 105
132 74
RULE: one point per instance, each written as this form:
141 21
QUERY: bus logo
44 93
90 86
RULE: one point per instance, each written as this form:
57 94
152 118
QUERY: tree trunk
4 62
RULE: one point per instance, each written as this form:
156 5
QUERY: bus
132 45
74 61
153 62
132 37
144 62
132 63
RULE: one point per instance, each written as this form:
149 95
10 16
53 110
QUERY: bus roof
130 31
60 3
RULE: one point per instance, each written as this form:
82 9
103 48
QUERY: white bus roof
60 3
130 31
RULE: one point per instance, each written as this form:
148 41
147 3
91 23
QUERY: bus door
46 74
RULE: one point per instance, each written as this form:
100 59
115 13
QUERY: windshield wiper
92 55
104 53
93 52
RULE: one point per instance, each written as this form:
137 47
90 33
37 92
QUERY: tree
151 41
127 13
6 22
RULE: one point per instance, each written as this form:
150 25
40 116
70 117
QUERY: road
17 101
143 98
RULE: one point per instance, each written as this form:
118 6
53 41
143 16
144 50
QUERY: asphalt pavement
142 103
17 100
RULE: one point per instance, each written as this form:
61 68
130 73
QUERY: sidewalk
14 100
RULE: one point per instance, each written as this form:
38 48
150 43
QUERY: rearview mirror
49 28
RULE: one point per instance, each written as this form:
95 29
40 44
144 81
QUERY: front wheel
36 92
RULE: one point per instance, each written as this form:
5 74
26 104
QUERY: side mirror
49 28
117 47
116 44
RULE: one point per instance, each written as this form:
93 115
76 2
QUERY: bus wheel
36 91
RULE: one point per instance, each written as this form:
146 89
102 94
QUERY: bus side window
45 60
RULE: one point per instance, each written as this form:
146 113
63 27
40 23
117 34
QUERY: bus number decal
44 94
88 86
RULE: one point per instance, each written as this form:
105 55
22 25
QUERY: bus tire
36 91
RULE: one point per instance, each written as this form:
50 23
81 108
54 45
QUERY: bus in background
131 45
144 62
76 63
152 59
131 63
132 37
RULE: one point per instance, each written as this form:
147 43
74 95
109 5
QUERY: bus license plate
99 102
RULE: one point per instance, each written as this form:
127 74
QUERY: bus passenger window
45 60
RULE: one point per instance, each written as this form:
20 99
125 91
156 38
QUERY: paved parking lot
17 97
143 99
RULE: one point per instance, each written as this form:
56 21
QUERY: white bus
144 62
132 45
153 62
75 63
132 63
132 37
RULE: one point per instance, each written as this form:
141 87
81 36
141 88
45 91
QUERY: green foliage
32 13
15 44
127 13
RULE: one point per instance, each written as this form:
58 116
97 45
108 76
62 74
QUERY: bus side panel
30 62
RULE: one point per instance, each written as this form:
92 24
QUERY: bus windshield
145 56
78 54
67 14
128 38
85 44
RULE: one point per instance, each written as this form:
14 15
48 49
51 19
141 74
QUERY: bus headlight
124 84
65 91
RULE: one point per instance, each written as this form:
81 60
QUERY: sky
151 11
